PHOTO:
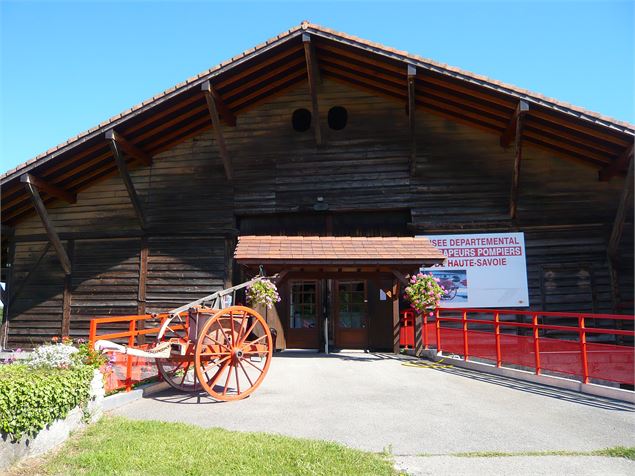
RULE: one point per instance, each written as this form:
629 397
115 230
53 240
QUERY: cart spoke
249 352
216 376
216 342
254 366
185 373
237 382
253 341
240 337
245 372
251 328
229 374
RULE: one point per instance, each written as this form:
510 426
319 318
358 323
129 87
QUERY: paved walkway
373 402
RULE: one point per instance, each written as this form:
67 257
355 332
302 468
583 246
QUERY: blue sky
65 67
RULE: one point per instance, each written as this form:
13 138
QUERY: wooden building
314 133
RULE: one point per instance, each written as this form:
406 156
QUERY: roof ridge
305 25
477 76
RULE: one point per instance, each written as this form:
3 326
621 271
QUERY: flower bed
32 398
45 387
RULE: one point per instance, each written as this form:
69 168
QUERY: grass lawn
117 446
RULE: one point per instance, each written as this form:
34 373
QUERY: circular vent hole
338 116
301 120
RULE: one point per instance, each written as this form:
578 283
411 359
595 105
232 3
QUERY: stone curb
123 398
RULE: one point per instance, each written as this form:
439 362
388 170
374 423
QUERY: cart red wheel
178 370
233 353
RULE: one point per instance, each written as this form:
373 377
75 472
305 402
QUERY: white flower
53 355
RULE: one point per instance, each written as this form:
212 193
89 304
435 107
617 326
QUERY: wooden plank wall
183 269
36 311
462 185
105 281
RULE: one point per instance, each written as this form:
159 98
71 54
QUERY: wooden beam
220 139
128 147
49 188
225 113
511 132
617 165
626 200
313 76
400 276
412 109
516 128
123 171
49 227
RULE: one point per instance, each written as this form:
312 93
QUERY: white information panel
483 270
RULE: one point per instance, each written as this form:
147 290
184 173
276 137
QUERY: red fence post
465 349
534 322
497 335
438 328
131 339
92 333
585 362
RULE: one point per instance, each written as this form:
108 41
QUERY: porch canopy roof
337 251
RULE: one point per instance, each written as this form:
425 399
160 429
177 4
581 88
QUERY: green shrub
32 398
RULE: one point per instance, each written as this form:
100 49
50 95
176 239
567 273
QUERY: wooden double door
333 309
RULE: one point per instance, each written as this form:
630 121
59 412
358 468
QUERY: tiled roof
341 249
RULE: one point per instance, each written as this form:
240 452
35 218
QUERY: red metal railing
531 341
134 366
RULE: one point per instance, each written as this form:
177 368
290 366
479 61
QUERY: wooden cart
203 346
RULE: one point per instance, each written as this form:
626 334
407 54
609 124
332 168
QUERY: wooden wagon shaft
214 298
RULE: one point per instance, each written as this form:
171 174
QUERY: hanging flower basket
262 292
423 292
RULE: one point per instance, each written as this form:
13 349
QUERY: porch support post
514 132
53 237
400 280
314 78
412 110
112 138
395 316
207 89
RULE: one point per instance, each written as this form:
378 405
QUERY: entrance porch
336 292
